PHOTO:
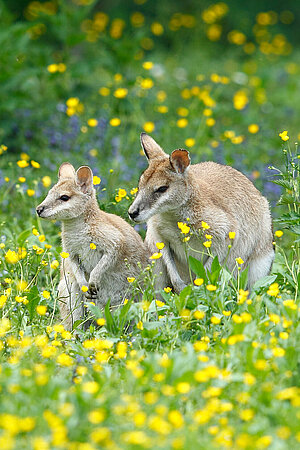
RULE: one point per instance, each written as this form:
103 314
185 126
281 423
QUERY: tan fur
218 195
120 251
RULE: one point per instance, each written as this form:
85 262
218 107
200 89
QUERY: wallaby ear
85 178
66 170
151 148
180 160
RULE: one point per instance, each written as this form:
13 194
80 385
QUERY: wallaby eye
64 198
161 189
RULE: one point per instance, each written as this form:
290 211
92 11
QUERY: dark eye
161 189
64 198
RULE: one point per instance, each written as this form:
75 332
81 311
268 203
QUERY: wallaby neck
77 224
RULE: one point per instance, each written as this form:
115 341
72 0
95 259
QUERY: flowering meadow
217 366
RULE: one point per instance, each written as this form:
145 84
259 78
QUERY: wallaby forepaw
179 286
92 293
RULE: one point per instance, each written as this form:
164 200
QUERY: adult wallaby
171 191
103 249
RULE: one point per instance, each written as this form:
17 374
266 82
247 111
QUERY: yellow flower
52 68
176 419
96 416
163 109
240 100
84 288
278 233
93 246
246 414
64 360
183 227
147 65
130 279
22 285
231 234
204 225
211 287
115 122
198 281
22 163
104 91
215 320
54 264
3 299
159 303
92 122
140 325
278 352
253 128
41 310
183 387
149 127
273 290
167 289
42 238
30 192
96 180
207 244
157 28
22 179
35 164
199 315
64 255
120 93
46 294
210 122
156 255
190 142
284 135
11 257
160 245
183 112
182 123
101 321
239 260
146 83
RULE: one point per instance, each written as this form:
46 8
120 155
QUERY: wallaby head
163 185
69 197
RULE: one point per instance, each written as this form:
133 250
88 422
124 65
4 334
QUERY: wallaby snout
40 209
133 214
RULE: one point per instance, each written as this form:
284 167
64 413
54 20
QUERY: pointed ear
151 148
85 179
66 170
180 160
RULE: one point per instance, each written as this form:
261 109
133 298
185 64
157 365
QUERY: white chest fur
77 242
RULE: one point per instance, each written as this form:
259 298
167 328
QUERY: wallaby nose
39 210
134 214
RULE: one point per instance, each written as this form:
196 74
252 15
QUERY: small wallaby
171 191
104 250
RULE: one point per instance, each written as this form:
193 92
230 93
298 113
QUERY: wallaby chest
78 244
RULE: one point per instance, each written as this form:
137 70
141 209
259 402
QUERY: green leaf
198 268
244 278
284 183
264 282
213 275
123 315
23 236
110 322
33 298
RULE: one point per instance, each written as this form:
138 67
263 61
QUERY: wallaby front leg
73 266
105 264
177 282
